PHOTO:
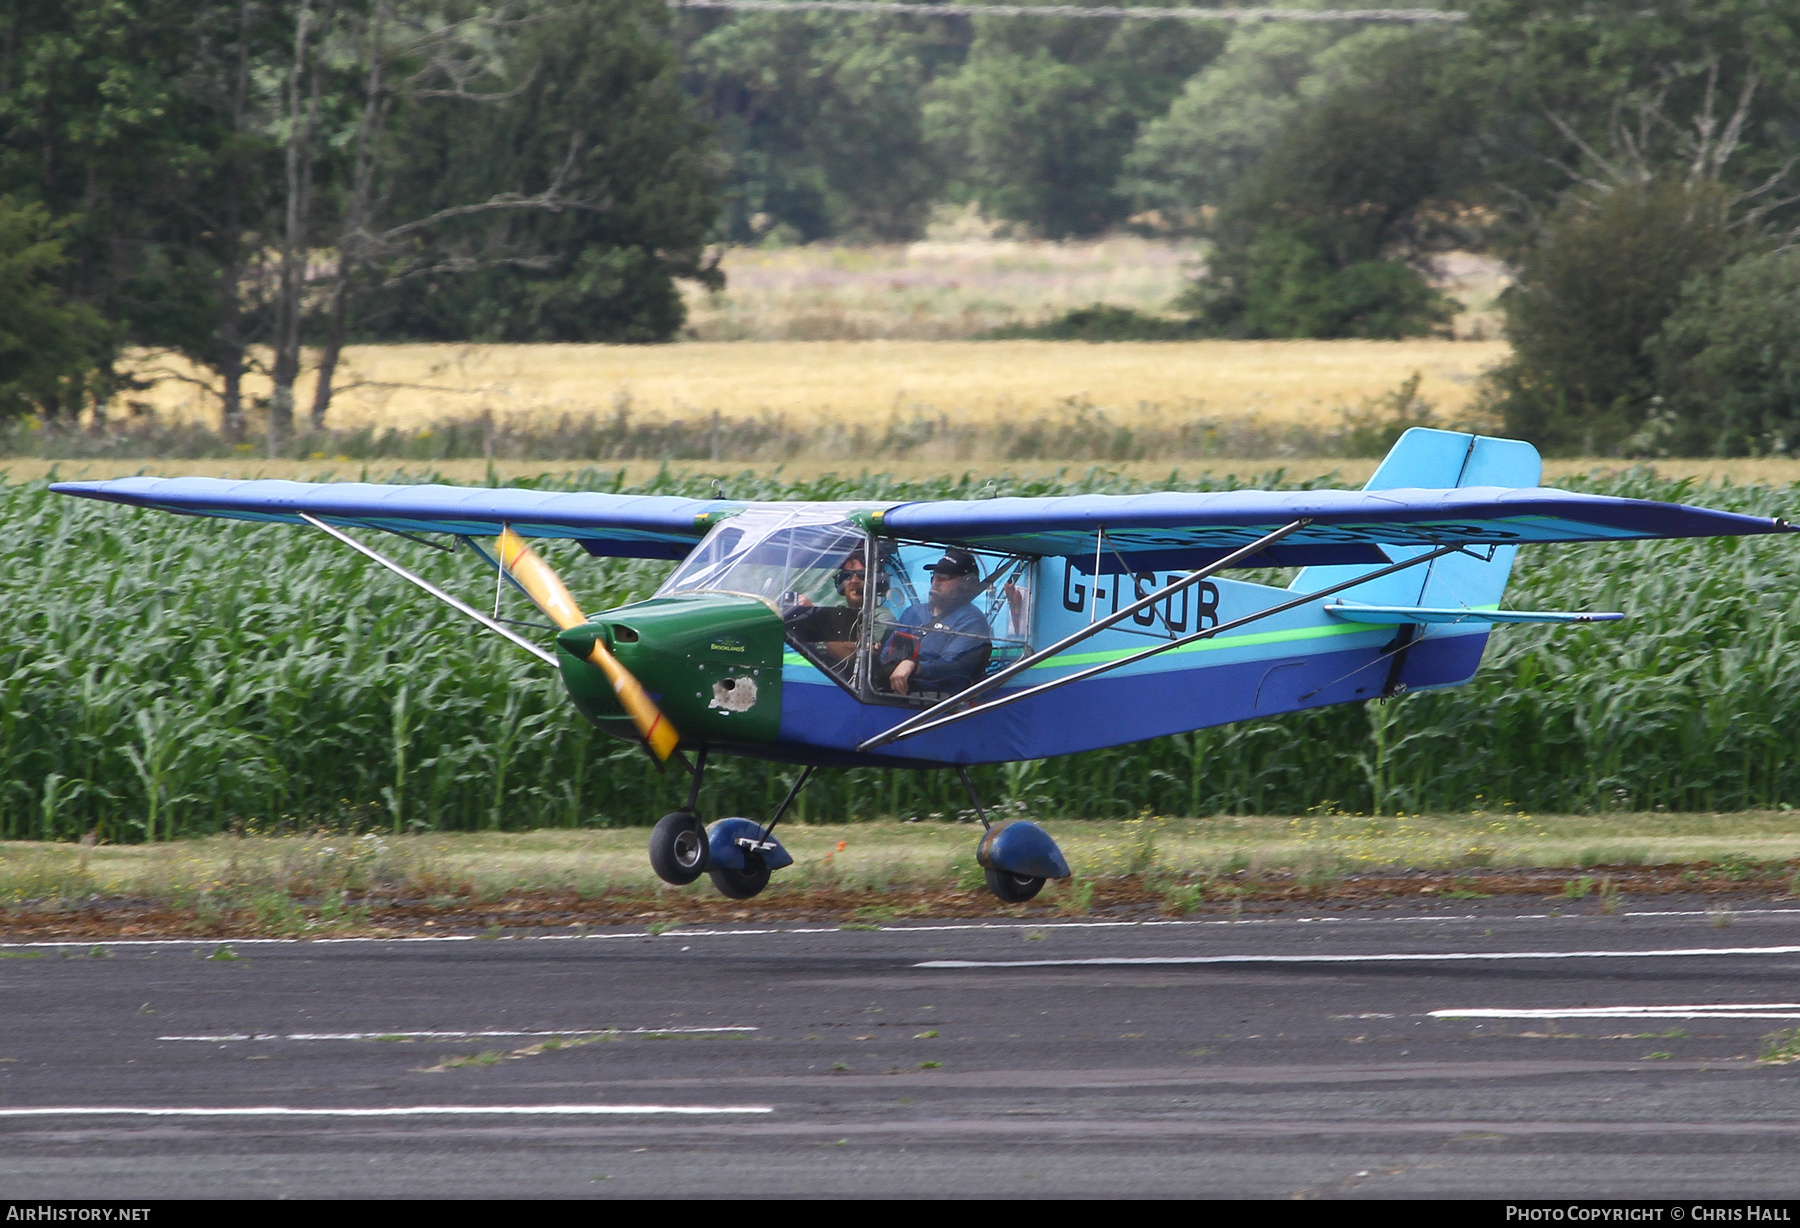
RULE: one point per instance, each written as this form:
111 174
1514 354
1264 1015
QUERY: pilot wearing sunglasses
833 630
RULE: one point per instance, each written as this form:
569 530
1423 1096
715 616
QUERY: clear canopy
777 554
795 558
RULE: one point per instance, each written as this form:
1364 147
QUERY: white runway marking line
412 1110
1723 1010
1140 961
439 1035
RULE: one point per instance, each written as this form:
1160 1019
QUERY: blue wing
1175 530
1170 530
624 526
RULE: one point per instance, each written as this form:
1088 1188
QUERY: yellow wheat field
862 382
1347 473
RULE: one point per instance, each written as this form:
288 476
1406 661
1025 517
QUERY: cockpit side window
895 622
949 617
707 562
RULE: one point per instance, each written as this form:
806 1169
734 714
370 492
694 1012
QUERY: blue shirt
952 647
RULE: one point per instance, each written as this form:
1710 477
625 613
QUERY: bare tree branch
470 264
1593 155
1702 146
550 199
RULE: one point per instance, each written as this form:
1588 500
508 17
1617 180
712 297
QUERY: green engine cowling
712 663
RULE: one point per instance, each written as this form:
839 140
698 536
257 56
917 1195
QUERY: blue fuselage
1303 658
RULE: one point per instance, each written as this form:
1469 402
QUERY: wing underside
624 526
1170 530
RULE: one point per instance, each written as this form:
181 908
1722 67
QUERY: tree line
234 180
1631 163
253 184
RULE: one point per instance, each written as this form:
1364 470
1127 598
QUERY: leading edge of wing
1476 515
665 525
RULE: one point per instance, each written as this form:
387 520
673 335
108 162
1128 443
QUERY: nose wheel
678 850
744 884
738 854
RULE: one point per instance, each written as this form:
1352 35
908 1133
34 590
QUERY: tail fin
1438 460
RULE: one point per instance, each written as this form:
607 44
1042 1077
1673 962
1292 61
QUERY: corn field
162 677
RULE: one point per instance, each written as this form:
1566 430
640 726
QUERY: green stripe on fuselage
1250 639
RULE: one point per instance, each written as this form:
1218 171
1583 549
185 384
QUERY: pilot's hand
802 600
902 672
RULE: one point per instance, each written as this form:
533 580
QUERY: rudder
1426 459
1429 459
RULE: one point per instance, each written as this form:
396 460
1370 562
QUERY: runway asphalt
1481 1051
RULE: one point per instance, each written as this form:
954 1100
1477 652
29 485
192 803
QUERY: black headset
844 574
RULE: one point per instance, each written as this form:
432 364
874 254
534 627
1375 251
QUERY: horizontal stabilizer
1395 615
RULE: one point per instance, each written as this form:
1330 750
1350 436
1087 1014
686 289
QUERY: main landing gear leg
678 849
805 775
1009 887
974 800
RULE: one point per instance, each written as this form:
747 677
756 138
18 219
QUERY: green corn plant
163 677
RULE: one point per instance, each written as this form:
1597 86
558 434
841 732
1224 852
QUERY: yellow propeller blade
536 578
554 599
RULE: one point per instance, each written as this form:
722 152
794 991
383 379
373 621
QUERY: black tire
744 884
1013 888
678 850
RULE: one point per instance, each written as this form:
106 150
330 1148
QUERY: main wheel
744 884
1013 888
678 849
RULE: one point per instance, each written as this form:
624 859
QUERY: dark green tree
1728 365
1038 141
1601 276
819 121
555 195
1037 123
1329 233
50 350
1543 70
1629 153
1282 285
97 126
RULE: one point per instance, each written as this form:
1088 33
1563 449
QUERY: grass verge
866 874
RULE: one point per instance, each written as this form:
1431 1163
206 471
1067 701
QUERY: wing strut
433 589
1135 657
914 723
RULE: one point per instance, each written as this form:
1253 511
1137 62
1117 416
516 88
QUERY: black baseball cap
956 562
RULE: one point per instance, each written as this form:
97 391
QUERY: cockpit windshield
777 554
894 622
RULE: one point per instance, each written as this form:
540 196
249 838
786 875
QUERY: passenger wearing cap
942 644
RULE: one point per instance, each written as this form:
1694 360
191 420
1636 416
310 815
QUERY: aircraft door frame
901 562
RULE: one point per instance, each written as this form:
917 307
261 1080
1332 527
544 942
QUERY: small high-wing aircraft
936 635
